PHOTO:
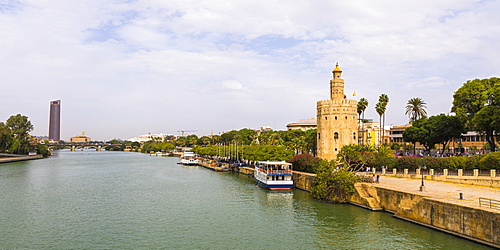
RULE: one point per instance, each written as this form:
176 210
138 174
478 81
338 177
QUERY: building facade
55 121
304 124
80 138
337 122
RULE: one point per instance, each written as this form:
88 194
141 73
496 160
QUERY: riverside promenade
474 215
443 191
19 158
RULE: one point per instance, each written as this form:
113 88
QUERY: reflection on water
88 199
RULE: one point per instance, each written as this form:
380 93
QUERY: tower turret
337 84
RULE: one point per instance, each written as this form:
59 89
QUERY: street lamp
422 167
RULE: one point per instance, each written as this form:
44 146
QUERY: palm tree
384 99
362 105
415 109
380 108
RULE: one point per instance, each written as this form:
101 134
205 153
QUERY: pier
213 165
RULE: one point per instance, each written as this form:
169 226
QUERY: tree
444 128
434 130
380 108
384 100
477 105
20 127
414 134
311 139
5 137
415 109
362 105
355 157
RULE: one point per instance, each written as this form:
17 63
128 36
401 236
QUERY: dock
213 165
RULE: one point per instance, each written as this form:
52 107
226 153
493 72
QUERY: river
124 200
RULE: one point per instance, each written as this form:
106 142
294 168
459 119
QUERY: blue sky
125 68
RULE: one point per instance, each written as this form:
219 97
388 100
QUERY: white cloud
141 63
232 84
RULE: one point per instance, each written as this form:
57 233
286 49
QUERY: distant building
149 137
55 121
337 119
304 124
80 138
41 138
470 141
264 128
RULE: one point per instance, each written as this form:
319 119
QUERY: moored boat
188 158
274 175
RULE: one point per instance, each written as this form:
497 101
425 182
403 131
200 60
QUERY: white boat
188 158
274 175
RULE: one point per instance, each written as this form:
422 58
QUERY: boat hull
189 162
272 186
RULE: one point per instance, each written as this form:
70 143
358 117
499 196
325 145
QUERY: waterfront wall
473 223
476 224
302 180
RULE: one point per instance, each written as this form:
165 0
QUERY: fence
489 203
442 172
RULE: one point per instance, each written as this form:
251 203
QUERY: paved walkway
19 158
444 191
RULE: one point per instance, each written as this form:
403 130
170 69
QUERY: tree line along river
124 200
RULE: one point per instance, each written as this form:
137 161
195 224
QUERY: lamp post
422 167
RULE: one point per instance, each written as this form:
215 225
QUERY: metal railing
489 203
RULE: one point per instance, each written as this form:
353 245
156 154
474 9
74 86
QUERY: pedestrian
374 178
378 179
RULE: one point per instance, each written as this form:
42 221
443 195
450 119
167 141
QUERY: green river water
122 200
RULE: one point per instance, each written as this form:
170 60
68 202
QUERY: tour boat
188 158
274 175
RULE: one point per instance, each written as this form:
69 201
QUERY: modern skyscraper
55 121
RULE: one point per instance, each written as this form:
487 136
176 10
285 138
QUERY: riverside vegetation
15 137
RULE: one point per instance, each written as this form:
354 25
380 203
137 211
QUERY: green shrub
490 161
333 185
436 162
409 162
459 162
305 162
473 162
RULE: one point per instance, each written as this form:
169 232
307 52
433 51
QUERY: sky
123 68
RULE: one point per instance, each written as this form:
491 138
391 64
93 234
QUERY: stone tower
337 119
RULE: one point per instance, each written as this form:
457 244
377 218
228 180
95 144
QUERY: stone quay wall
475 224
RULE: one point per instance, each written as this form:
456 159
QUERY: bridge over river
74 146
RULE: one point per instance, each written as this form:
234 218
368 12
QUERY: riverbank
20 158
439 206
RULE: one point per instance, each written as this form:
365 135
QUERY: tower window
346 117
335 118
319 136
326 118
336 135
354 135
